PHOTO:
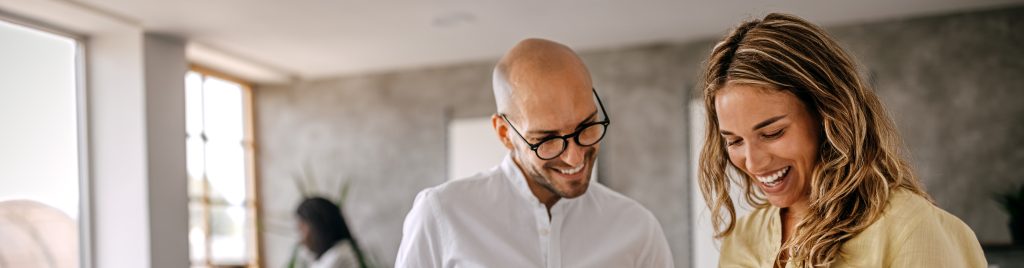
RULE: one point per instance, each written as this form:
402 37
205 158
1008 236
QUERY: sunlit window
222 209
39 148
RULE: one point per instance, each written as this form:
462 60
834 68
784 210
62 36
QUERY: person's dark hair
326 225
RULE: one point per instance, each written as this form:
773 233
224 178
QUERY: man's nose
574 153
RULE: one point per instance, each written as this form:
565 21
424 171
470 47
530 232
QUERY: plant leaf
299 184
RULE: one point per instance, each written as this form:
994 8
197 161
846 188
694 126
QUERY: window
39 148
472 147
222 204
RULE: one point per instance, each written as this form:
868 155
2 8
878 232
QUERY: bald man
539 207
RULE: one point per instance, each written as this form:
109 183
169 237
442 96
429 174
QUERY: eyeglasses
586 135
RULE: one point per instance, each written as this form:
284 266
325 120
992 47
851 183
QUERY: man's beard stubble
544 180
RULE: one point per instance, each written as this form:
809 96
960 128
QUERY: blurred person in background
325 238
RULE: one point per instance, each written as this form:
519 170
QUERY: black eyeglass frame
565 138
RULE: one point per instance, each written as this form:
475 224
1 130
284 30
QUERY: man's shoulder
473 187
485 179
628 218
610 200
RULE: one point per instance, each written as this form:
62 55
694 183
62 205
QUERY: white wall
137 141
118 154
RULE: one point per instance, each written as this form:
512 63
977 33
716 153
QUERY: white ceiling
310 39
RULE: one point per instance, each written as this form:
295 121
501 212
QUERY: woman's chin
781 201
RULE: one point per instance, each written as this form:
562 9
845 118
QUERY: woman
787 109
326 240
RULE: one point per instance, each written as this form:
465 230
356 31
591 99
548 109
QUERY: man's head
543 89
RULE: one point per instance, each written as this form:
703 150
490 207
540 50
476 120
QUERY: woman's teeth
570 171
772 180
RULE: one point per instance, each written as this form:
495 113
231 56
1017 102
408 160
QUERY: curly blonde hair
859 159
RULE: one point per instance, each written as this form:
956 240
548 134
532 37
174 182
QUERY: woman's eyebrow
757 126
768 121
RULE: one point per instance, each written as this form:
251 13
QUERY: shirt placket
543 224
554 259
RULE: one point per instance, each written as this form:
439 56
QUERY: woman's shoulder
906 202
917 227
908 210
757 221
905 212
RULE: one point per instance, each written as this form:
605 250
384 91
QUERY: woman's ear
501 129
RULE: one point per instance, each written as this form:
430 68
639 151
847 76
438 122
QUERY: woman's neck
790 217
798 209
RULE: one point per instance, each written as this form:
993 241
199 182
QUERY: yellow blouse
912 232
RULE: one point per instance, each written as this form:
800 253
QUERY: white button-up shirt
493 220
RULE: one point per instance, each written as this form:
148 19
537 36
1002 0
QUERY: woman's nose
757 159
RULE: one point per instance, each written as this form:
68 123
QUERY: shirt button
544 231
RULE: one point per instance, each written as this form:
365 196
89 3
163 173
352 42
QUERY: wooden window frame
253 205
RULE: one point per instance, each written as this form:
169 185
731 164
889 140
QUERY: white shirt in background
493 220
341 255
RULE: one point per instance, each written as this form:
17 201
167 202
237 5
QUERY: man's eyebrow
757 126
591 117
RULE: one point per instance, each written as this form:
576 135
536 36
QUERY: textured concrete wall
948 80
385 134
954 87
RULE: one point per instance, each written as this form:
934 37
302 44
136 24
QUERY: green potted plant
1013 203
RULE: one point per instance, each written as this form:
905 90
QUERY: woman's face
771 136
304 233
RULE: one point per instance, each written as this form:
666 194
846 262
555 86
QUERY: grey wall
948 80
165 65
955 87
385 134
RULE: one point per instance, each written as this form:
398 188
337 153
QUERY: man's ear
501 129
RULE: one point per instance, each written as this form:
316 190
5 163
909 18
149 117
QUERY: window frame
252 202
84 222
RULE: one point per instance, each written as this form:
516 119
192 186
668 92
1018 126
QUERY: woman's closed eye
733 142
774 134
